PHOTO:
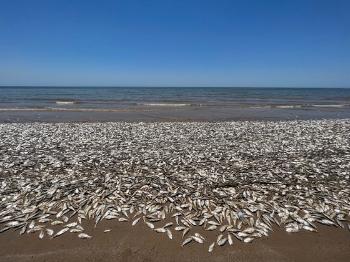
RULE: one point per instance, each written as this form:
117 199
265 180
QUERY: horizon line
165 86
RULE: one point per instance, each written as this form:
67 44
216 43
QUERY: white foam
165 104
288 106
328 105
65 102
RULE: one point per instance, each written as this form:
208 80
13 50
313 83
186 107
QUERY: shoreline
176 114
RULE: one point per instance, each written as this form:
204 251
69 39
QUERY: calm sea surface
110 98
71 104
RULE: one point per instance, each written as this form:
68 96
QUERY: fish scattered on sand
234 179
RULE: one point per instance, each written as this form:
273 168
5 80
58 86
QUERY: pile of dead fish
239 179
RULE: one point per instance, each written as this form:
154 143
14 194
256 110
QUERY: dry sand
126 243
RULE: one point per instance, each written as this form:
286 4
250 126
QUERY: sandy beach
174 114
192 191
127 243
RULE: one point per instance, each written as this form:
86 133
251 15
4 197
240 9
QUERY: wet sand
165 114
126 243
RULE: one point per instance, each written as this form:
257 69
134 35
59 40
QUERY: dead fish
71 224
150 225
160 230
198 239
249 230
62 231
223 228
75 230
212 227
41 235
222 241
185 232
12 223
292 229
327 222
84 236
186 241
199 235
135 221
56 222
4 229
49 231
211 247
170 235
180 228
309 228
248 239
230 240
23 230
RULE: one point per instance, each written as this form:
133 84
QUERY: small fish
150 225
185 232
211 247
70 225
327 222
160 230
62 231
23 230
180 228
223 228
202 221
56 222
49 231
199 235
135 221
242 234
292 229
12 223
248 239
230 240
4 229
84 236
249 230
212 227
31 225
309 228
75 230
213 223
187 240
197 239
41 235
106 231
222 241
219 238
170 235
192 222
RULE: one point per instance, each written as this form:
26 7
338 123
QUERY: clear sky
175 43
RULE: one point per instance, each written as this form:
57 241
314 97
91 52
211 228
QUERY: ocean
321 102
131 97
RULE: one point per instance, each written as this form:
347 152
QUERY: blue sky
175 43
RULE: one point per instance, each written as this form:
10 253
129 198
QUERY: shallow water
170 103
